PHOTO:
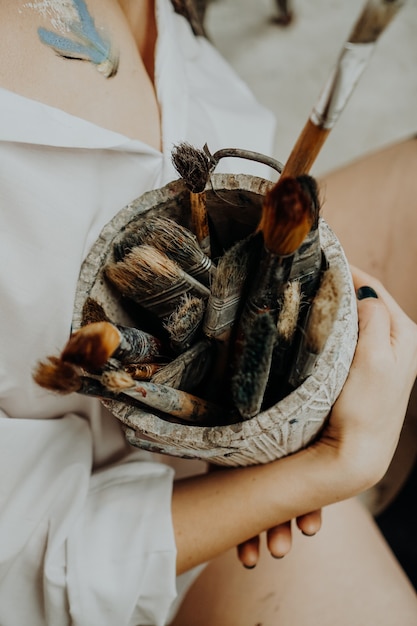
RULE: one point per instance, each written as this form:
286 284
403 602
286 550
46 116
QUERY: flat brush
193 166
184 324
92 346
174 240
226 289
319 323
353 58
223 307
188 369
151 279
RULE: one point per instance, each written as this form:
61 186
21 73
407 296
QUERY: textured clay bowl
234 205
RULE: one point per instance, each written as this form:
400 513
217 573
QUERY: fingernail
277 556
309 534
248 566
366 292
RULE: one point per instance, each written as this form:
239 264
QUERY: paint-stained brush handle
353 58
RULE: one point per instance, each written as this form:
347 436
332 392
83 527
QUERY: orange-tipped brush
94 344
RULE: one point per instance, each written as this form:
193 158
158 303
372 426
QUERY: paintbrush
174 240
184 324
61 377
285 222
319 322
175 402
151 279
188 369
353 58
223 306
93 345
193 166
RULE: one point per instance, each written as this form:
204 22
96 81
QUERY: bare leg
345 575
372 207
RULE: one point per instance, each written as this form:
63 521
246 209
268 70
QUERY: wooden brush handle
306 149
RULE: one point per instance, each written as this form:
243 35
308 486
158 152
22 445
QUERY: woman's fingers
279 540
248 552
310 523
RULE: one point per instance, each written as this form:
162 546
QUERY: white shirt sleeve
75 547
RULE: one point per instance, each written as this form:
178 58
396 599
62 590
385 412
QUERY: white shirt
86 533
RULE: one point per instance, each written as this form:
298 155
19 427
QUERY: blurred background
287 66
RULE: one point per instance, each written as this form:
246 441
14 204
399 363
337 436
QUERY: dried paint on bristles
286 217
92 345
192 165
55 375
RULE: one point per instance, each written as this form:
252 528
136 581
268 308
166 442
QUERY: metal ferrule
343 79
220 314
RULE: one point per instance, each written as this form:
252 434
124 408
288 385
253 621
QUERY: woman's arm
217 511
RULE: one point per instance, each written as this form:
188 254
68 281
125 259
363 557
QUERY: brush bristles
183 323
192 165
231 270
288 316
92 345
55 375
143 271
93 311
167 236
286 217
323 311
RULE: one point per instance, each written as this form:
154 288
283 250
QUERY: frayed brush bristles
231 270
185 319
324 310
286 217
192 165
144 270
287 320
167 236
55 375
92 345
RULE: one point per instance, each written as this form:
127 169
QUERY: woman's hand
218 510
278 539
366 420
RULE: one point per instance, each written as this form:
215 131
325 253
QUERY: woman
93 97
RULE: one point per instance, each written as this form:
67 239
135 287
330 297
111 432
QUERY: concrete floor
287 67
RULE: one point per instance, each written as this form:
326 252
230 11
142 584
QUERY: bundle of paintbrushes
212 302
214 339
